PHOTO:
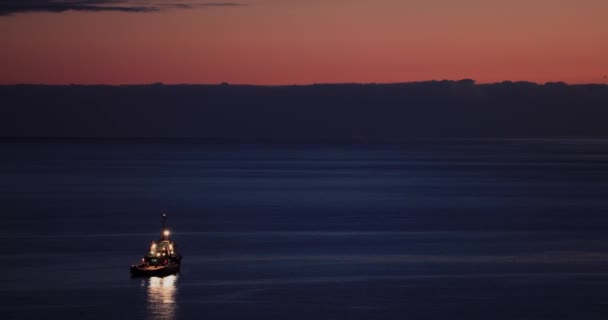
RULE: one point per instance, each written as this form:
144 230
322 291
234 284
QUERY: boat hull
154 271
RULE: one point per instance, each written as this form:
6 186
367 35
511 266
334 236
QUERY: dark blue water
510 229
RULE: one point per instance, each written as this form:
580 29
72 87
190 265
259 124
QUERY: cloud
10 7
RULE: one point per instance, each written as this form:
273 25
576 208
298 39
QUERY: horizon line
226 83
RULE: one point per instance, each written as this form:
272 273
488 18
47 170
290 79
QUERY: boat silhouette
162 258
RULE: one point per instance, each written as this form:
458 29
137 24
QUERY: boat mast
162 230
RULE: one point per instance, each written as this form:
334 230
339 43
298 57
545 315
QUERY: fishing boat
162 259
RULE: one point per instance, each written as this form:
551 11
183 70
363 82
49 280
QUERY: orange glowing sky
312 41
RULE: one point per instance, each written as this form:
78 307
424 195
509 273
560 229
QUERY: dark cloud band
9 7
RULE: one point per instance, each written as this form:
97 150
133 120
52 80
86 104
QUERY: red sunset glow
301 42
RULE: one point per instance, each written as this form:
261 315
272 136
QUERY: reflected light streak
161 297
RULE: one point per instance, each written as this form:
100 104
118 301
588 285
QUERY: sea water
464 229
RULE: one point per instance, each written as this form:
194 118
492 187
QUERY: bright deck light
166 233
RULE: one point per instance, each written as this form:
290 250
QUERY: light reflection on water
162 294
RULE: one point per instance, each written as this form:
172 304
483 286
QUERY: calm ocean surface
512 229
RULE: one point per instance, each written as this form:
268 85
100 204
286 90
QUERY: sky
302 41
